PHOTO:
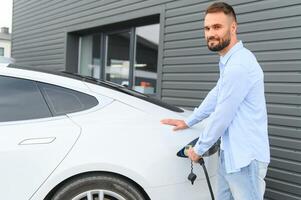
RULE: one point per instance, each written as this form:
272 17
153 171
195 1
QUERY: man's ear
234 27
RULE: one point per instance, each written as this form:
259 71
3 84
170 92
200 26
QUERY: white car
68 137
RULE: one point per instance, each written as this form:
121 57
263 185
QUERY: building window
127 56
117 66
1 51
145 70
89 55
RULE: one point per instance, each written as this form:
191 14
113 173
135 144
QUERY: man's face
218 29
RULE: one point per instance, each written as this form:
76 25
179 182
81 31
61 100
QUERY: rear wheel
98 187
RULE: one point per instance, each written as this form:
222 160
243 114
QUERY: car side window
21 100
63 101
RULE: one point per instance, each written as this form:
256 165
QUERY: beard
222 43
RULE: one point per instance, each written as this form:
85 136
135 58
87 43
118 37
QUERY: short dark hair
221 7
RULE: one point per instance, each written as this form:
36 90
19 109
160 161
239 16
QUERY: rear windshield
107 84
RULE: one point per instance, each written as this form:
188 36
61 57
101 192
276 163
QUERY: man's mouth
212 40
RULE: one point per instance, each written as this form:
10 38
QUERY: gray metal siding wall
272 30
39 26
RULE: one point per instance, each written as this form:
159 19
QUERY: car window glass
21 100
63 101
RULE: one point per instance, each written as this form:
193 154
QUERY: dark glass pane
89 61
63 101
117 63
145 71
21 100
1 51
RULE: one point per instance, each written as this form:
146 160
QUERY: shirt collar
225 58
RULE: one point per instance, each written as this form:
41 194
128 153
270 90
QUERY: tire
98 187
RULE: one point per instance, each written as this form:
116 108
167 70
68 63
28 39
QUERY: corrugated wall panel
271 29
44 23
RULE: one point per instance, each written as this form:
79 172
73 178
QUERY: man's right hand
178 124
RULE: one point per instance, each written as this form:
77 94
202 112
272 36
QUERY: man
236 109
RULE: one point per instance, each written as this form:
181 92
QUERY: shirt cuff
196 150
200 148
190 121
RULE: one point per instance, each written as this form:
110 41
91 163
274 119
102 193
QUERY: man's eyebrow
208 26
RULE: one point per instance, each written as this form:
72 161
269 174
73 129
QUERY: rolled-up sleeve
233 89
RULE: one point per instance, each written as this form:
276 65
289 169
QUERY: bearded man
236 111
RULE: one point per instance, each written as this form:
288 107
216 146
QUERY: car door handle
32 141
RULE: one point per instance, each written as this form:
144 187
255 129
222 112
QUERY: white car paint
121 135
24 167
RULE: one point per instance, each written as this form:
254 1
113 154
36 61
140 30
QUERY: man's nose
210 34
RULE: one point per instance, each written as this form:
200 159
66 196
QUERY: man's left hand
192 155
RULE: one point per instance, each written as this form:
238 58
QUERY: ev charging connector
192 177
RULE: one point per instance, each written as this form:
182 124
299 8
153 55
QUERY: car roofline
103 83
67 75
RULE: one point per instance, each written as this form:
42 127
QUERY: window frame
132 52
146 16
104 52
2 50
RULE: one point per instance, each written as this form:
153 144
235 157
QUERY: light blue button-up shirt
237 113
